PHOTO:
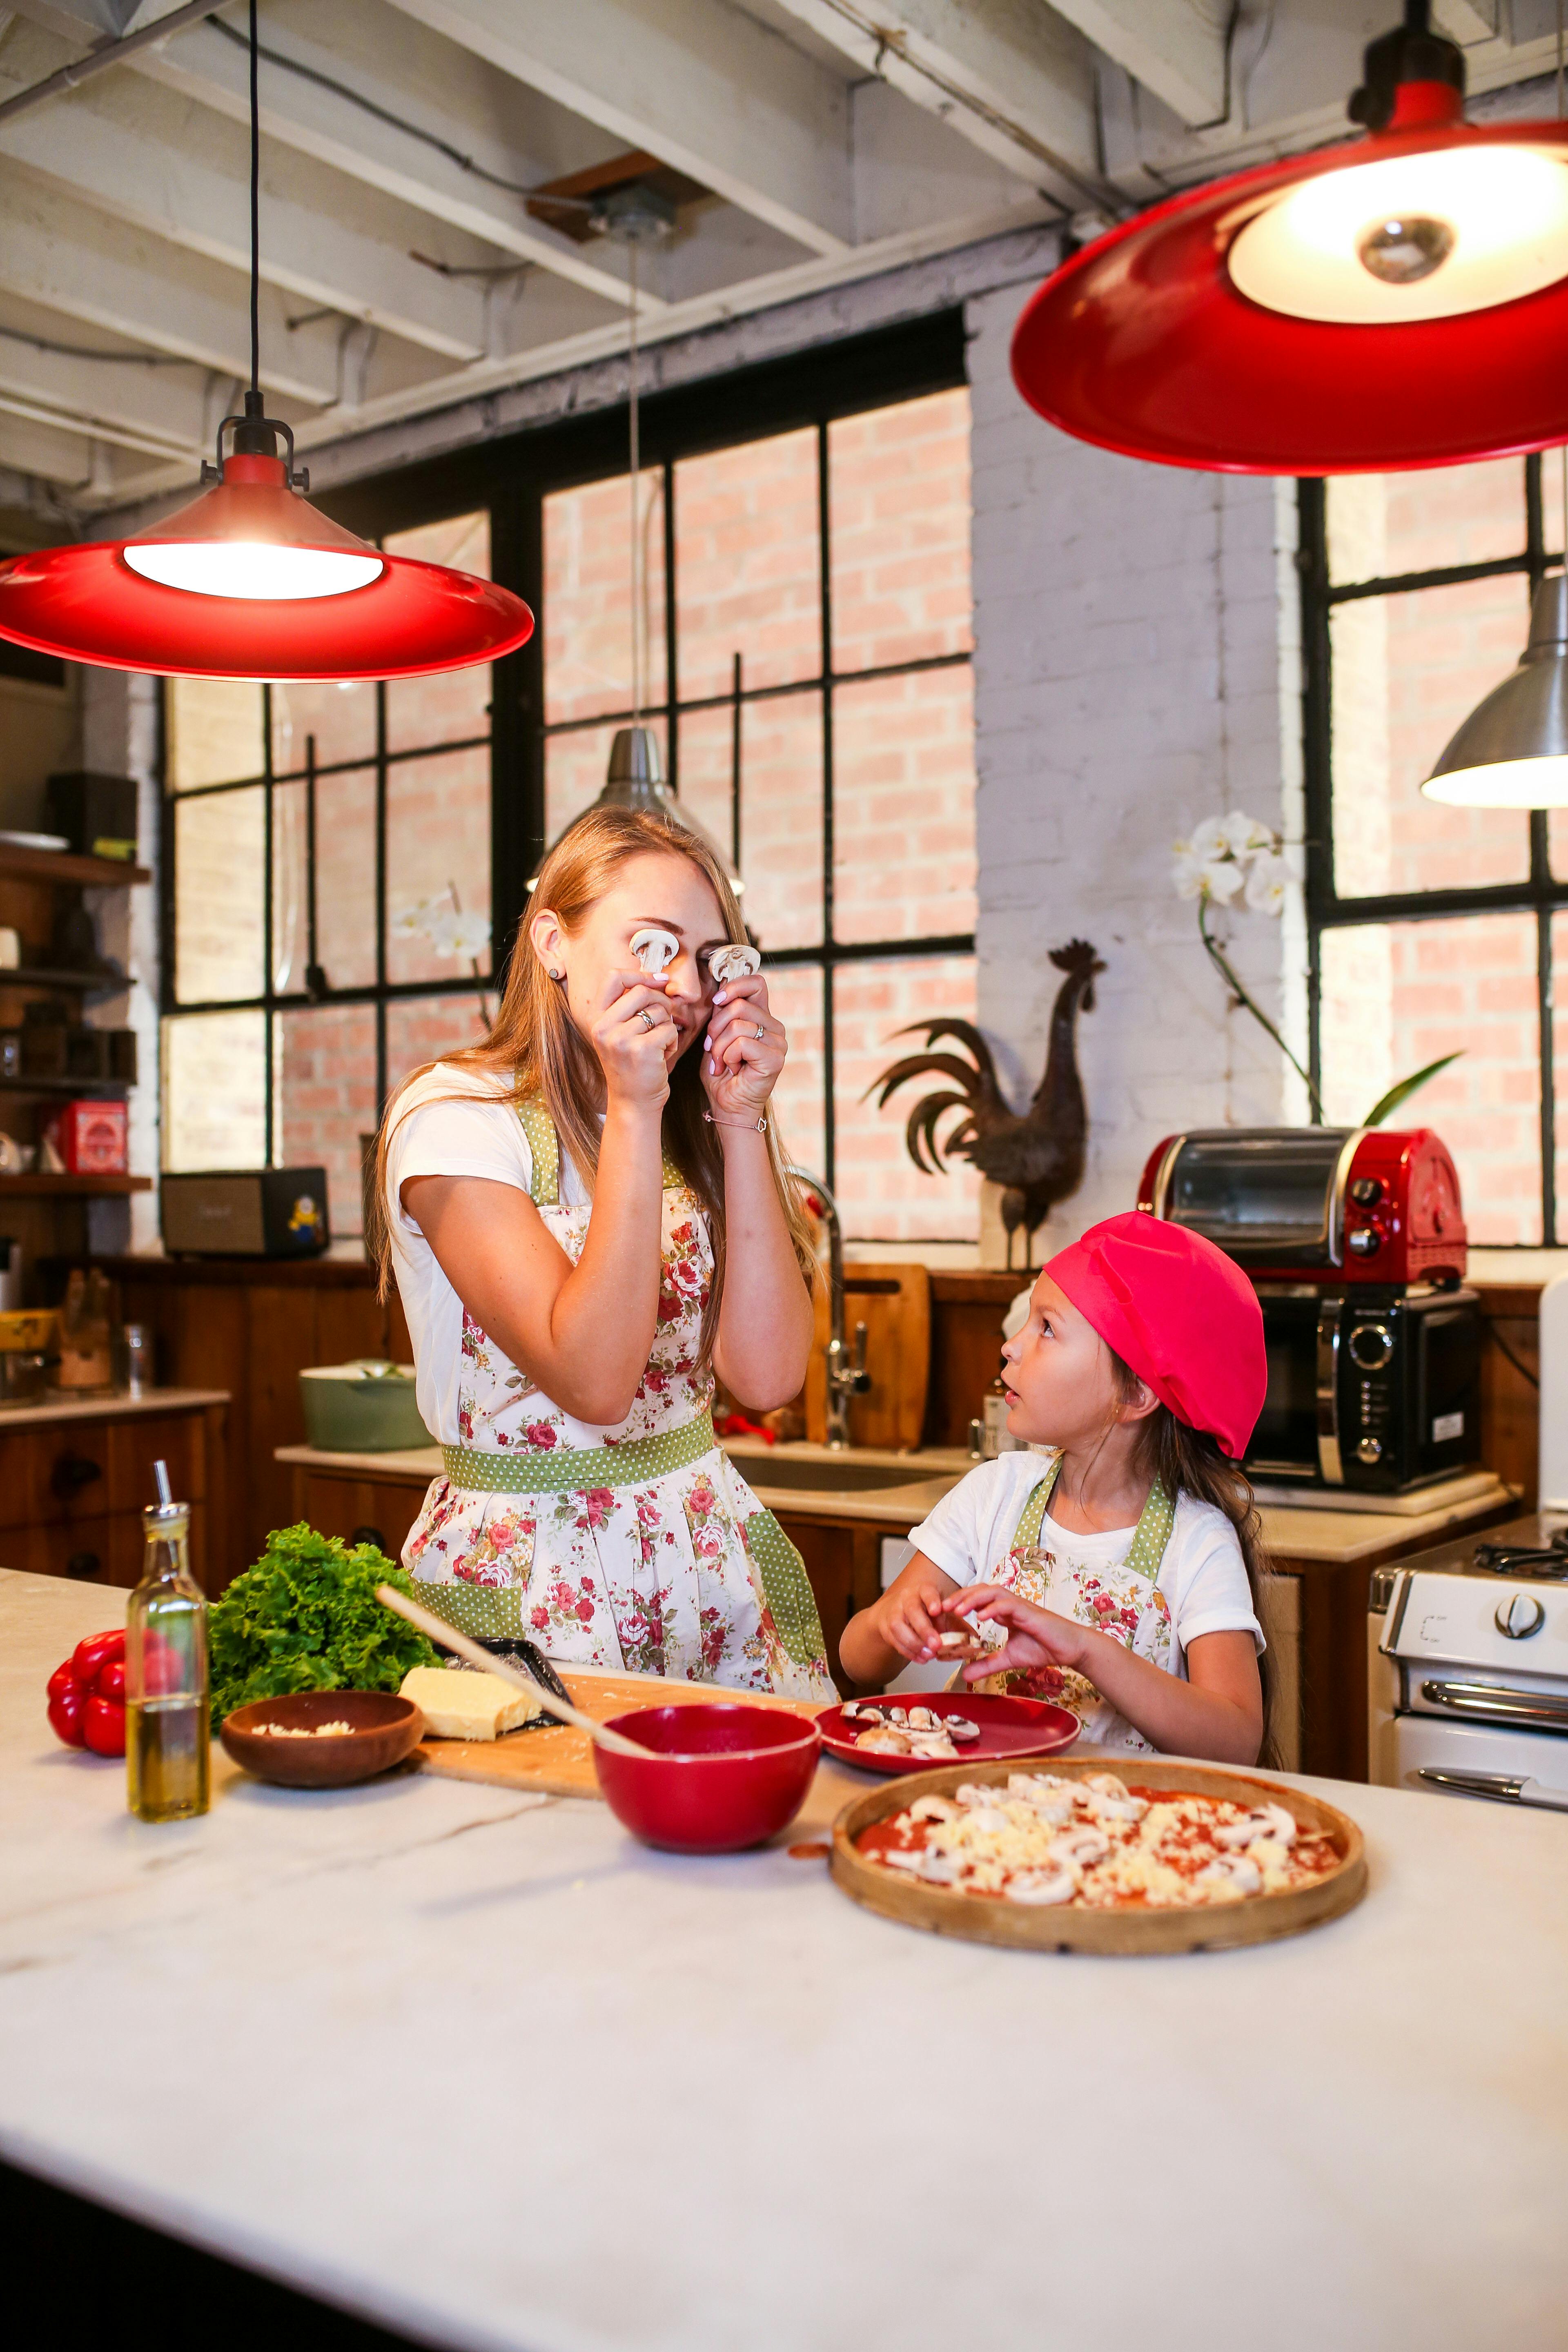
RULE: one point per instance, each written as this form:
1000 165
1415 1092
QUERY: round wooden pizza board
1062 1928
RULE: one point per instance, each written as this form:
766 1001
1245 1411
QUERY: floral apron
1122 1600
638 1549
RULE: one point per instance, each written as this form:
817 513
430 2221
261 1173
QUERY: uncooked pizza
1099 1843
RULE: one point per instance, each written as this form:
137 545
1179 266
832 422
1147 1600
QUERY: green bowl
362 1408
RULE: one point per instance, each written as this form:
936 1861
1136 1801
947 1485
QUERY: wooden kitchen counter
1356 2137
76 1473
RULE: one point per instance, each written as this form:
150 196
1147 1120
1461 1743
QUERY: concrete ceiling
404 266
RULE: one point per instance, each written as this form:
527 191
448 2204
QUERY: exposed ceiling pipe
99 60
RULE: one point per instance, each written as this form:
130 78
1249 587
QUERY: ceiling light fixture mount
1398 300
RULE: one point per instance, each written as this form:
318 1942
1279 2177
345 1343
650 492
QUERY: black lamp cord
255 215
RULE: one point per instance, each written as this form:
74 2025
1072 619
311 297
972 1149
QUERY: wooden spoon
437 1629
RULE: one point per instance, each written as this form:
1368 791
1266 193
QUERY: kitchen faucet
846 1376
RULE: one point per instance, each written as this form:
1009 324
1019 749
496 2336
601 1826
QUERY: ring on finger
645 1015
761 1031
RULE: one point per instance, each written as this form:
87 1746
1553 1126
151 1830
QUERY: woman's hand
633 1038
744 1049
1036 1637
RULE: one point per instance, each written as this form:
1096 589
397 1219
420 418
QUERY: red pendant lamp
1397 301
250 581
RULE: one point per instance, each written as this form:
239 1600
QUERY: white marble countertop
712 2104
105 1404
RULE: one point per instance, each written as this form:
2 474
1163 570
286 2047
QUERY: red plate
1008 1726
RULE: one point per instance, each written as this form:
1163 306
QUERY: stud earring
555 974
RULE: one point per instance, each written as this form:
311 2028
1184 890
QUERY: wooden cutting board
560 1763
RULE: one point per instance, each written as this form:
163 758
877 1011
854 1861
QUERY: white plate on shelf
34 841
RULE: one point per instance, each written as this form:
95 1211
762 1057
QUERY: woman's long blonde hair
537 1043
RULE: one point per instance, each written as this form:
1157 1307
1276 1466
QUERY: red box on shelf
91 1137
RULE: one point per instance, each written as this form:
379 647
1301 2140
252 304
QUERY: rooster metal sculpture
1036 1158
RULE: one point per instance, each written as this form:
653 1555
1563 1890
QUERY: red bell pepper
87 1696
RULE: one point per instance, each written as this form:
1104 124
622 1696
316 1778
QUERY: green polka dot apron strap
786 1588
1150 1537
544 1154
580 1469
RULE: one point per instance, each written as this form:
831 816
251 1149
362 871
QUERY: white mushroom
1041 1886
989 1819
1263 1822
1107 1808
922 1719
933 1809
958 1727
732 962
1082 1846
654 947
1235 1870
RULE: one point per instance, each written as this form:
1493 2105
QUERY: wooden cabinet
74 1482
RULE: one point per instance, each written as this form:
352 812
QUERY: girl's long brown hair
536 1045
1181 1457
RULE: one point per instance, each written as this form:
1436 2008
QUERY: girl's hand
634 1052
1036 1637
743 1050
908 1622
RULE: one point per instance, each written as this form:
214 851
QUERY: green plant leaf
1405 1088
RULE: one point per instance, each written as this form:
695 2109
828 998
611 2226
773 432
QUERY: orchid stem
1228 973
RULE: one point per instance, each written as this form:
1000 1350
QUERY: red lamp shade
250 581
1397 301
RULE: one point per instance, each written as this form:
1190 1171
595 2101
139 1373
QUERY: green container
367 1407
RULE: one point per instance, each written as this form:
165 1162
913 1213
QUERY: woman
588 1217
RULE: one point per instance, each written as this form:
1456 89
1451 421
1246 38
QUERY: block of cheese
458 1704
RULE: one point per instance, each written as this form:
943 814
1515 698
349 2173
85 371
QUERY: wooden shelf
74 1089
71 1188
32 975
59 866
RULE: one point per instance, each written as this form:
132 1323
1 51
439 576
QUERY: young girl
588 1216
1124 1570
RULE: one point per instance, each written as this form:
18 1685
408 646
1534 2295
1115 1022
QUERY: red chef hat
1180 1313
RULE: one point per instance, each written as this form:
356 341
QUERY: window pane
1380 525
213 732
903 806
345 881
219 860
325 1082
586 619
453 705
437 859
1397 995
339 714
748 566
1406 671
575 766
794 994
882 1194
420 1029
214 1090
781 807
899 530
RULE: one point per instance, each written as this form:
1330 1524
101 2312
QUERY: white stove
1467 1668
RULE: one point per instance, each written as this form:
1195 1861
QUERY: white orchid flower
1210 841
1268 883
410 922
1222 878
1249 835
467 935
1187 872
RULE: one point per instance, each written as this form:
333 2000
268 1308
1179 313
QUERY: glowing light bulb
1431 234
1503 783
1402 252
258 570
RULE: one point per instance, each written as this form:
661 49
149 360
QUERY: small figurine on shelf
85 1320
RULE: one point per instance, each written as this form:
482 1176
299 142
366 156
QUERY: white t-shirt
442 1138
1202 1575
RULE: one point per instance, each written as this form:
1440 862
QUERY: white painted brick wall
1130 680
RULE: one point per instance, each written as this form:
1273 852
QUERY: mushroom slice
1263 1822
733 961
958 1727
1040 1886
1081 1847
885 1741
933 1809
654 947
1232 1870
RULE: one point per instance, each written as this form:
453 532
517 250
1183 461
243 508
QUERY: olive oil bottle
167 1671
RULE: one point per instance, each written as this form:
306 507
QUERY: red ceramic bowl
722 1777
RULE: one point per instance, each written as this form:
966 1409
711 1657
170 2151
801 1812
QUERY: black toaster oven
1378 1389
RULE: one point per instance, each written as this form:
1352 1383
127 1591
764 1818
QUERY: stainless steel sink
843 1475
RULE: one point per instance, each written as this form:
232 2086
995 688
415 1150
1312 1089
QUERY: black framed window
1431 929
806 533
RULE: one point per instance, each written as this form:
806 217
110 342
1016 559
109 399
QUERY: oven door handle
1502 1788
1331 1463
1487 1703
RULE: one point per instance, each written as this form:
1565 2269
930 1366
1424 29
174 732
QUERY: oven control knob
1367 1191
1370 1450
1519 1616
1371 1345
1366 1242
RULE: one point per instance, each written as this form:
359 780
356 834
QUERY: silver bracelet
759 1125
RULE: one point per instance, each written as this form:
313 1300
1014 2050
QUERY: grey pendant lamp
1512 750
633 216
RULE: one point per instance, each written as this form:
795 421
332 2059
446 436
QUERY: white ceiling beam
699 84
1467 21
1011 77
99 273
161 408
88 147
203 65
121 436
1174 47
49 453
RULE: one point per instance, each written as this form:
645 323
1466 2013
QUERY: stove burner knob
1366 1242
1370 1450
1367 1191
1519 1616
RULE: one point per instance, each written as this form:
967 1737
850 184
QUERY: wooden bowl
1061 1927
722 1777
386 1729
